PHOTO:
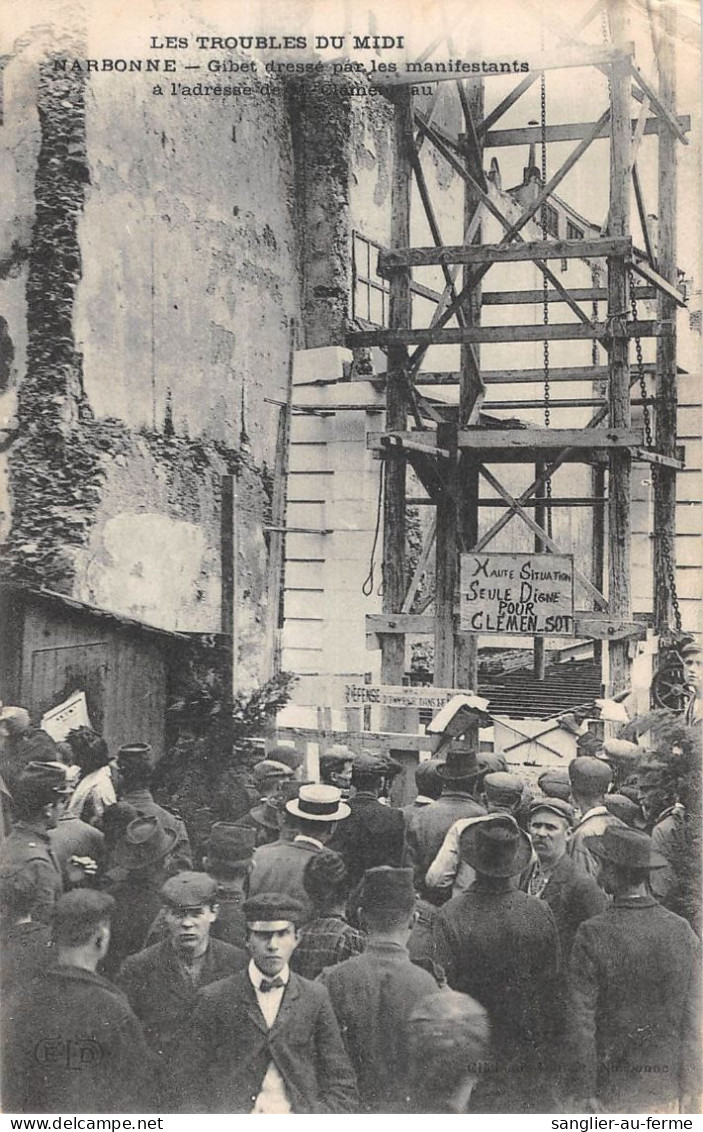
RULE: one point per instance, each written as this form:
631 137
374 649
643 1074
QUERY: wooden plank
555 331
580 294
657 458
586 623
666 392
485 439
391 259
524 376
446 562
566 131
644 219
619 530
565 58
662 285
662 110
409 442
378 740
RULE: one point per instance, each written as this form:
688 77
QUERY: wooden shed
51 646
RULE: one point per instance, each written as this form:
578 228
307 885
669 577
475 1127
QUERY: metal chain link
640 367
670 569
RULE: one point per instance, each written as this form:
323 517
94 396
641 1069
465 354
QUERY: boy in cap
279 867
501 947
634 992
162 982
71 1041
40 796
327 938
374 833
265 1040
374 993
590 779
136 764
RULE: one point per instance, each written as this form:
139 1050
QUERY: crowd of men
489 948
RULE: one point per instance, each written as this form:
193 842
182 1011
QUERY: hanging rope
544 219
368 584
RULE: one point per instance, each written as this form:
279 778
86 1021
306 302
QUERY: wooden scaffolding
452 454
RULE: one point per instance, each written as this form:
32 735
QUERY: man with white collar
280 866
265 1040
590 779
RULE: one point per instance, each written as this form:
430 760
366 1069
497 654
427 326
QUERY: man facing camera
265 1040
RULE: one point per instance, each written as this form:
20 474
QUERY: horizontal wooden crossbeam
566 131
498 445
524 376
586 623
393 259
580 294
677 462
455 336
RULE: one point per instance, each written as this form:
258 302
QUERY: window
369 290
573 232
549 219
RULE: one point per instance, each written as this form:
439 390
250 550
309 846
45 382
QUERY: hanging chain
670 568
640 367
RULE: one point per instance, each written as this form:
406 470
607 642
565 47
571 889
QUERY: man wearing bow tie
265 1040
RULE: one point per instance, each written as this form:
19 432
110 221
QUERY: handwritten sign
59 720
528 595
397 695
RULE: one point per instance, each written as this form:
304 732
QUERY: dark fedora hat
145 841
626 847
496 846
458 764
230 843
41 783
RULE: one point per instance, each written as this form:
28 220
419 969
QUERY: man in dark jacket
40 795
228 860
501 947
265 1040
280 867
572 895
424 838
373 834
136 764
590 779
373 994
162 982
634 992
71 1041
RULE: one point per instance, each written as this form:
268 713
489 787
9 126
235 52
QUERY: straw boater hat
318 803
496 846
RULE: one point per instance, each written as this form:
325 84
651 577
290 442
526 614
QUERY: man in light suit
265 1040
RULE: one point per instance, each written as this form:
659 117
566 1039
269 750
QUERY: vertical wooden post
470 394
540 517
666 392
227 575
619 535
446 563
397 404
598 546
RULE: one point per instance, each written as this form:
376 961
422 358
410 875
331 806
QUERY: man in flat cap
279 867
501 947
229 852
162 982
590 779
336 766
265 1040
20 744
40 796
555 783
136 764
374 993
373 834
634 992
71 1043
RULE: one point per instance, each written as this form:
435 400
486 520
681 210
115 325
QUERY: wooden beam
566 131
393 259
587 624
580 294
644 219
410 442
446 563
380 740
397 401
422 562
666 392
587 55
525 376
554 332
648 457
662 110
485 439
662 285
619 480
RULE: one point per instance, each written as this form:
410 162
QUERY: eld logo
76 1053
